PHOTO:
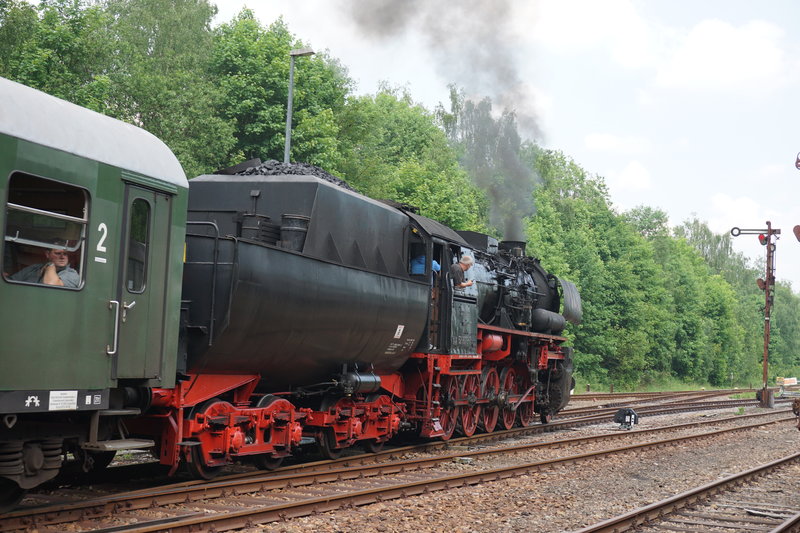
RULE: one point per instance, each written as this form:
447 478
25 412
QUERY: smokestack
516 248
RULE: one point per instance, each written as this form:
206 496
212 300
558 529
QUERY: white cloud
644 98
577 25
743 212
713 54
633 177
717 55
776 171
606 142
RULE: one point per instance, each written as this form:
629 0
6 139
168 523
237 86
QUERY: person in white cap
457 271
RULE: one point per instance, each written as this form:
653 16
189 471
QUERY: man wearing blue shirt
56 271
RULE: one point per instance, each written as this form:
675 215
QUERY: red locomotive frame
437 394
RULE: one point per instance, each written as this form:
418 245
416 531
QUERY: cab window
45 228
416 253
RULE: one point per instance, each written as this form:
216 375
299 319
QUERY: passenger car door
140 292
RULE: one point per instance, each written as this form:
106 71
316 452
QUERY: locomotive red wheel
327 445
198 466
268 461
470 413
373 446
387 406
448 416
490 386
508 384
526 413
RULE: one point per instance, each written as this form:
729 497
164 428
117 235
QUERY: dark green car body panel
55 338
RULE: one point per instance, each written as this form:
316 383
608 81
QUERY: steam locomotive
240 315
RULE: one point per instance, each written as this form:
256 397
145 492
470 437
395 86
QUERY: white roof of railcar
37 117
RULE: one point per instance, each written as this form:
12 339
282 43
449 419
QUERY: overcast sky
680 105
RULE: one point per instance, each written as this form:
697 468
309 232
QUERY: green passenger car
109 199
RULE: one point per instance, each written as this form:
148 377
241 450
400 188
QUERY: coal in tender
276 168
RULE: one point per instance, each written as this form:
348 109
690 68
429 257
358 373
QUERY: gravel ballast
567 498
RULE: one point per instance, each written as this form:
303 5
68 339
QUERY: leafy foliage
660 303
656 303
159 78
392 149
251 64
60 47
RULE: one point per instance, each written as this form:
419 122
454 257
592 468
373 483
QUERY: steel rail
667 409
580 396
790 524
397 452
659 510
512 433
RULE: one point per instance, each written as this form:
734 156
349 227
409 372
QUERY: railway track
573 419
237 501
759 499
625 396
661 409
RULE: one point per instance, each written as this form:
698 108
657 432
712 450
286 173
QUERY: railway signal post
768 238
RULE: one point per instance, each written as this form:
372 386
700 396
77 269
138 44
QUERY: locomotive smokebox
516 248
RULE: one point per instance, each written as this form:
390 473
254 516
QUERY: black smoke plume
472 45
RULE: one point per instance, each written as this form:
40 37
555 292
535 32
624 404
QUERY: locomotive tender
238 315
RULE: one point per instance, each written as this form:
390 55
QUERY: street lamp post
292 54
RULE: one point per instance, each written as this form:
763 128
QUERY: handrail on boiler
213 274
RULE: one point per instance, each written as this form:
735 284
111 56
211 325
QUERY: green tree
649 222
578 236
393 149
251 65
160 80
62 47
749 308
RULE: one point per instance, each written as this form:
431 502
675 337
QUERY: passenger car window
138 241
45 223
